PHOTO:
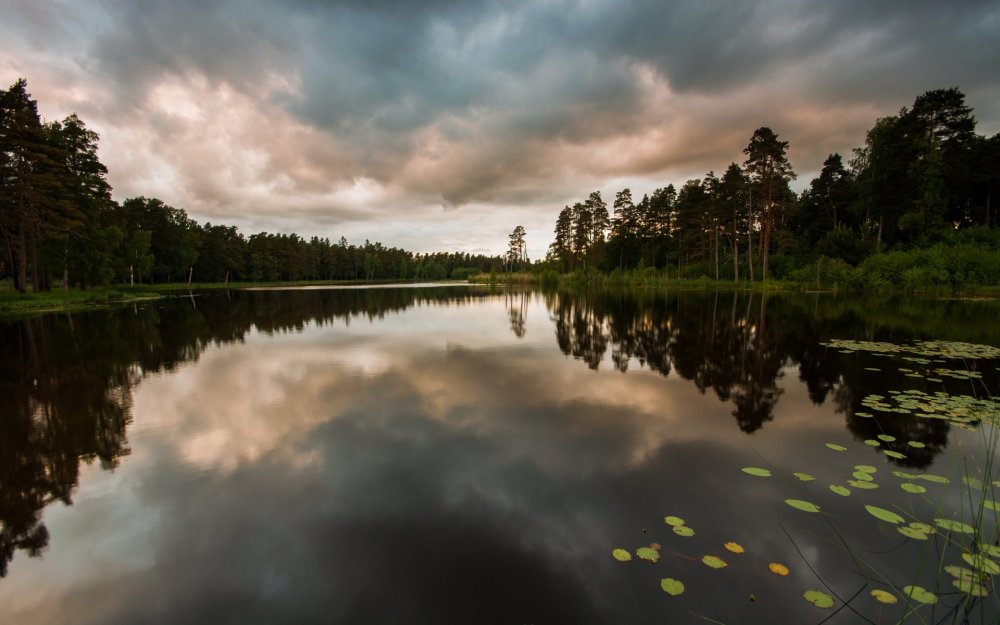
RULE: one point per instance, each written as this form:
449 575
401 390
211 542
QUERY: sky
441 125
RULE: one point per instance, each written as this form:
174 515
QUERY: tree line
923 178
59 224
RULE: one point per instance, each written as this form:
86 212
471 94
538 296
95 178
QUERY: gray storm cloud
372 115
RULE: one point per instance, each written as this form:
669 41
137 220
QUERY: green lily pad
872 442
840 490
756 471
648 553
863 485
922 527
884 515
989 504
805 506
864 477
910 487
937 479
865 468
920 594
886 438
714 562
673 520
818 598
621 555
982 563
910 532
955 526
804 477
973 482
884 596
906 476
672 586
991 550
683 530
960 572
836 447
969 587
894 454
916 444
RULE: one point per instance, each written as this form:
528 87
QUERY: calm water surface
462 455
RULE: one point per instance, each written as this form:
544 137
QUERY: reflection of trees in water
66 380
517 311
738 345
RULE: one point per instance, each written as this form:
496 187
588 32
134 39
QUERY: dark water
461 455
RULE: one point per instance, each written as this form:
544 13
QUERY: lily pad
621 555
804 506
865 468
906 476
887 438
818 598
734 547
862 476
910 532
992 550
894 454
989 504
683 530
969 587
778 569
960 572
840 490
937 479
910 487
884 596
871 442
920 594
955 526
648 553
672 586
884 515
714 562
863 485
916 444
982 563
836 447
804 477
673 520
973 482
756 471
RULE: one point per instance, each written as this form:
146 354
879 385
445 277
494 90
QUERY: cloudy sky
442 124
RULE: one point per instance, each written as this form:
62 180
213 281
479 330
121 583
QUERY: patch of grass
13 303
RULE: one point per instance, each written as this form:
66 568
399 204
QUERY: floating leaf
863 485
910 487
756 471
621 555
906 476
672 586
864 477
989 504
910 532
818 598
836 447
916 444
714 562
673 520
840 490
981 562
894 454
805 506
919 594
960 572
865 468
955 526
884 596
991 550
872 442
922 527
884 515
973 482
734 547
648 553
937 479
778 569
970 587
683 530
804 477
886 438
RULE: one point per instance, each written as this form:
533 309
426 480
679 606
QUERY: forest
60 225
911 208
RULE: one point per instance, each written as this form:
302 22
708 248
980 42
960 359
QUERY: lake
462 454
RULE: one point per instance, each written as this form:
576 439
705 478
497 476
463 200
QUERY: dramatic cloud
441 125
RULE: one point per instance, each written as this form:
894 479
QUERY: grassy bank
13 303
